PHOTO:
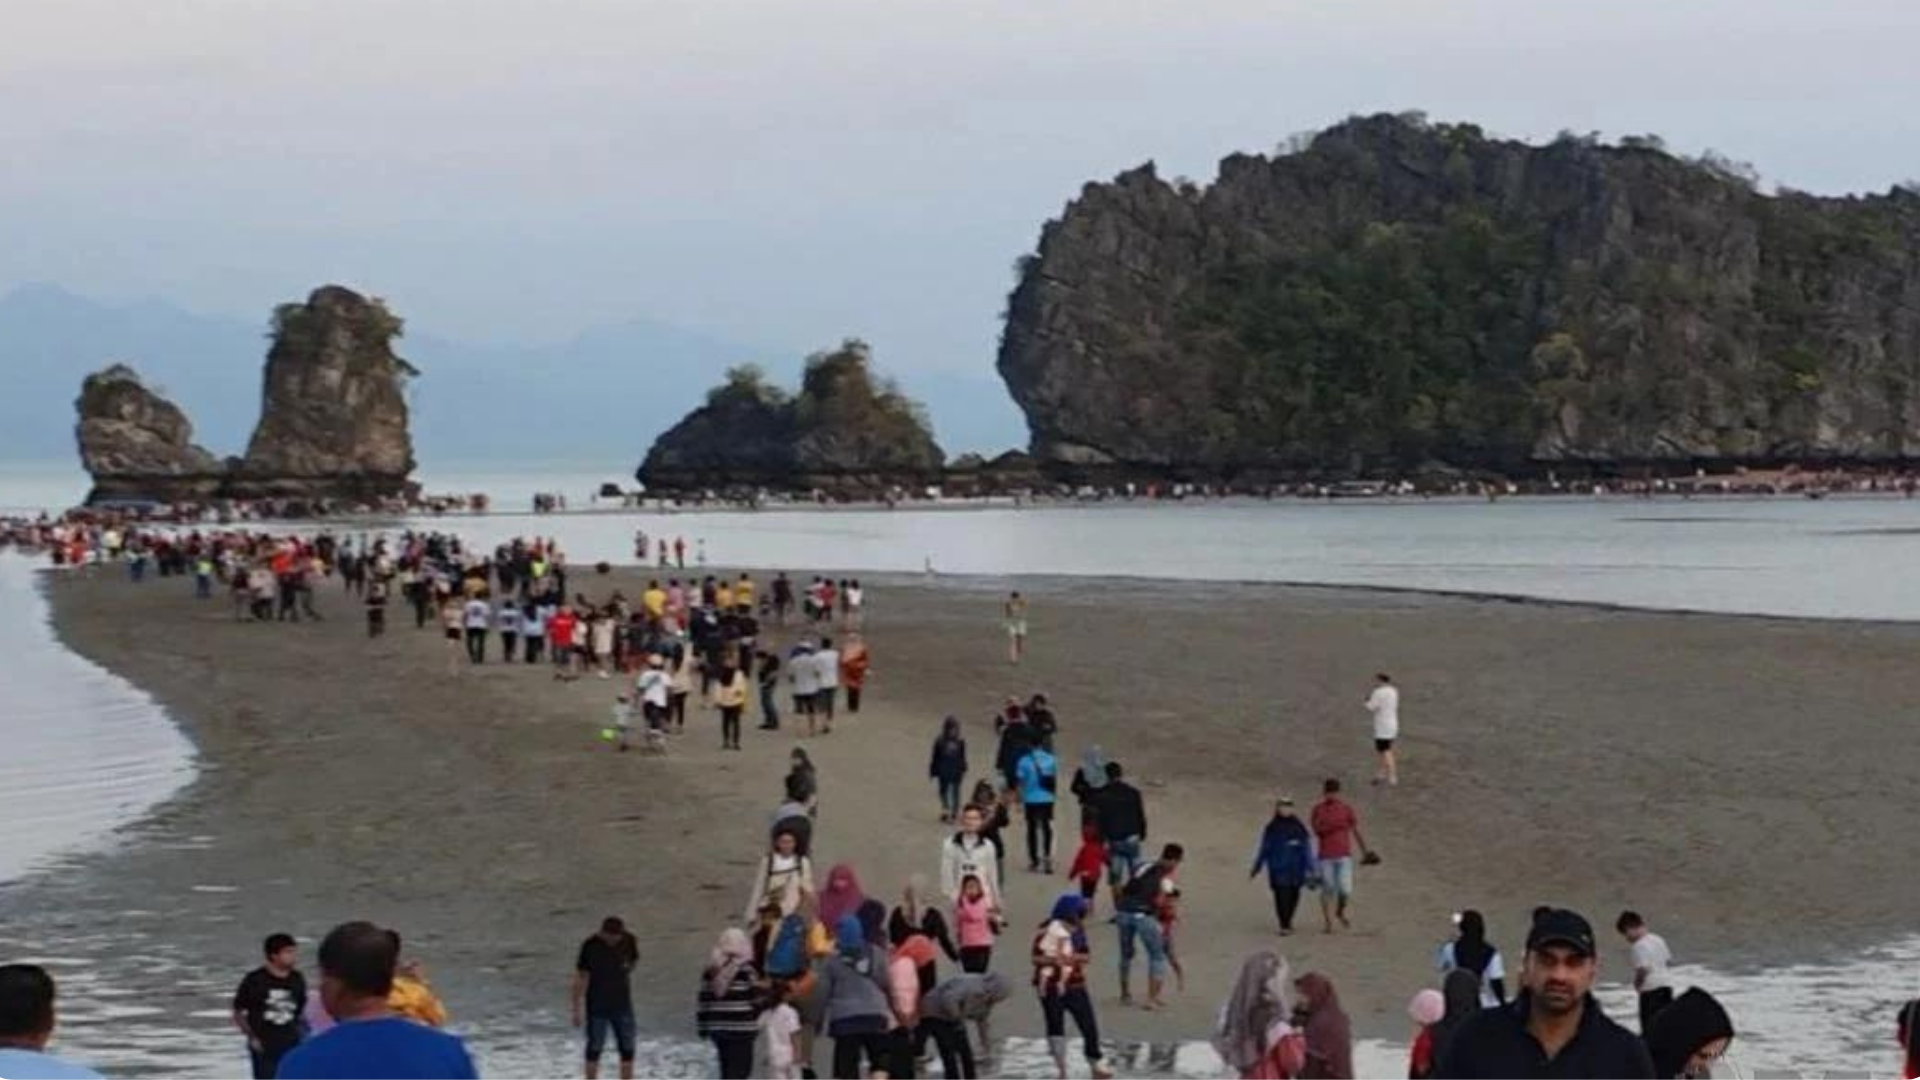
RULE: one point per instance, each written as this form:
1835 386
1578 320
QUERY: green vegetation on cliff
1395 292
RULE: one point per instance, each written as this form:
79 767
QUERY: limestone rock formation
844 433
333 426
1398 293
333 420
137 444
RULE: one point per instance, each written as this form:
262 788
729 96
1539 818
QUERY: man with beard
1554 1027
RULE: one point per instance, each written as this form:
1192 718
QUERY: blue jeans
1123 860
1134 924
950 797
769 714
623 1035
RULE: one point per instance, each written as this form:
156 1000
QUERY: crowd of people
819 972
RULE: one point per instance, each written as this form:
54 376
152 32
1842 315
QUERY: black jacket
1497 1044
1120 811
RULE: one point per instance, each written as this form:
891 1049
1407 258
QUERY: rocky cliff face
844 434
1399 293
333 420
333 425
137 444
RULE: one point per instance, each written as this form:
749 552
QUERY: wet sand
1745 782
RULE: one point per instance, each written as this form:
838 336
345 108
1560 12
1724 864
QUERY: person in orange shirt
854 665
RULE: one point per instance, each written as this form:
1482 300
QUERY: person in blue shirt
357 962
26 1025
1286 853
1038 777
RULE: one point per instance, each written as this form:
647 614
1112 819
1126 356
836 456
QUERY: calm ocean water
89 754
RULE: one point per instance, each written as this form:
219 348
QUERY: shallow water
86 751
1837 558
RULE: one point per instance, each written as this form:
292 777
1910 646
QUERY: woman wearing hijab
1329 1033
1427 1008
1089 780
948 768
873 923
1688 1036
1469 951
910 959
1254 1036
1460 993
916 916
842 896
1060 958
857 1012
729 1009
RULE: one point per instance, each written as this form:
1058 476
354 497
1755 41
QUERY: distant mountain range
605 393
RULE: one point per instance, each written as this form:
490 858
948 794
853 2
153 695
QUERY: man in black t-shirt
603 994
268 1004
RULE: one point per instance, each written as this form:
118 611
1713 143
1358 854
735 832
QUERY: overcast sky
789 173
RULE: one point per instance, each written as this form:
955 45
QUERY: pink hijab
842 896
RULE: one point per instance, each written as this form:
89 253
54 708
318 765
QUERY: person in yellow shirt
654 600
731 696
723 597
743 592
410 996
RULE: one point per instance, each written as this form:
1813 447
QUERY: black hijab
1682 1028
1461 988
1470 950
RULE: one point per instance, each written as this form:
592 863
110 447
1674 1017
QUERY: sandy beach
1743 781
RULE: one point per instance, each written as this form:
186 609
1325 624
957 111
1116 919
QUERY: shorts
656 715
803 704
1016 628
623 1035
1382 745
1336 876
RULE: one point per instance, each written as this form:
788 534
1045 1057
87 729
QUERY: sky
792 173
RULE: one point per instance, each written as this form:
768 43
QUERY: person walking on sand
976 919
1038 773
376 602
268 1004
478 616
855 666
506 621
1336 831
653 687
951 1006
26 1026
728 1012
1384 704
1255 1035
1286 854
969 853
731 696
767 671
1553 1027
1137 914
1470 951
1121 815
680 552
803 781
1651 958
1328 1031
1014 614
785 874
948 768
1060 958
453 619
602 995
804 674
826 662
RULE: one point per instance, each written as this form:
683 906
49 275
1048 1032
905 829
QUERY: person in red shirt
1336 829
560 631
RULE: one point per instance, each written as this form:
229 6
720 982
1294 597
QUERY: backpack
787 954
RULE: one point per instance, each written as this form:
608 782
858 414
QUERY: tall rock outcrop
844 433
1398 293
333 421
137 444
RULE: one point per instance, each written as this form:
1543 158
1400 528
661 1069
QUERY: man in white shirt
827 663
654 685
1651 958
1384 704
